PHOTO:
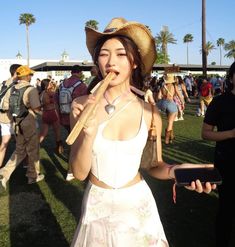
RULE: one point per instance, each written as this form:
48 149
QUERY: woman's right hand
77 107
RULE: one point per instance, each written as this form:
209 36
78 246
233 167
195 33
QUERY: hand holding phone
184 176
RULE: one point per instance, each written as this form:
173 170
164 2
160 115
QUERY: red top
206 89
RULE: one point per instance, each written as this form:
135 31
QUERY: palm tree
27 19
92 24
208 48
162 58
164 38
187 39
230 47
220 42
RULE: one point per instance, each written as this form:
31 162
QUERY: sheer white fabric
125 217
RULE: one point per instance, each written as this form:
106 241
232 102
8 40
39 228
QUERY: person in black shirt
219 126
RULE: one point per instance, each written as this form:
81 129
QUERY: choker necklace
111 106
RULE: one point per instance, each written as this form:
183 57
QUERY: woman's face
50 86
113 57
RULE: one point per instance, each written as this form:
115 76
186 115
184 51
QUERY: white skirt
126 217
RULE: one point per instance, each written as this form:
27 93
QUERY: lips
114 71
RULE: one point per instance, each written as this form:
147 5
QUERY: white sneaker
3 183
69 177
181 118
39 178
176 119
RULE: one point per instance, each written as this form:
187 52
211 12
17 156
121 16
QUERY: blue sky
60 25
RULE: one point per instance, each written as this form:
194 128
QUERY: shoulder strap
168 91
122 108
4 91
22 94
76 84
72 86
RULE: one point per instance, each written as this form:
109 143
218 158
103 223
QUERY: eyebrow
118 49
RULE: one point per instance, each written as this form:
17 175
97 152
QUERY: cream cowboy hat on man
137 32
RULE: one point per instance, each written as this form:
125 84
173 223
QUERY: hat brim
138 33
169 82
31 72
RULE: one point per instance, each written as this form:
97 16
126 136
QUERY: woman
118 206
50 115
167 104
219 126
183 95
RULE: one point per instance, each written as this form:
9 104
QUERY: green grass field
46 214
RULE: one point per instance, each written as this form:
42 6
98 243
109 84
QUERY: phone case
184 176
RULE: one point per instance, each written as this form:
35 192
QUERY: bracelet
174 185
169 170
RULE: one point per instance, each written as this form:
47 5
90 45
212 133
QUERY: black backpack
17 107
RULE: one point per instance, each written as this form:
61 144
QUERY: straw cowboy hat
169 78
137 32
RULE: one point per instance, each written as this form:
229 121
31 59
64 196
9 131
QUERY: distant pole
27 36
187 53
204 56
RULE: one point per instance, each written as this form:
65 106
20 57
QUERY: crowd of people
108 151
172 92
28 112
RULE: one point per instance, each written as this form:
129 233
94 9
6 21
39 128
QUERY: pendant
109 108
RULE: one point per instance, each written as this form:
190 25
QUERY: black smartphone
184 176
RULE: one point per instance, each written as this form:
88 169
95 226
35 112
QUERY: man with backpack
70 89
23 103
5 117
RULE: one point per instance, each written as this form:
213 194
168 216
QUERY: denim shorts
167 106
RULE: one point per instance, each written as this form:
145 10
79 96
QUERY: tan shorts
206 100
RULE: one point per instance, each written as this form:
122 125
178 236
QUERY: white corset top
116 162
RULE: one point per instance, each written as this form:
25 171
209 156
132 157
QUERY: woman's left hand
199 187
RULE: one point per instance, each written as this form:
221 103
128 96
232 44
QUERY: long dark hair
44 84
132 55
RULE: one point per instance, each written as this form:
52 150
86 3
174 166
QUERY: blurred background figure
50 116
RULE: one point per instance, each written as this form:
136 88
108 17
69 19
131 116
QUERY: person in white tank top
118 206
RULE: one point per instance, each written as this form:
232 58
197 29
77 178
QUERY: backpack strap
7 88
73 86
3 92
77 83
